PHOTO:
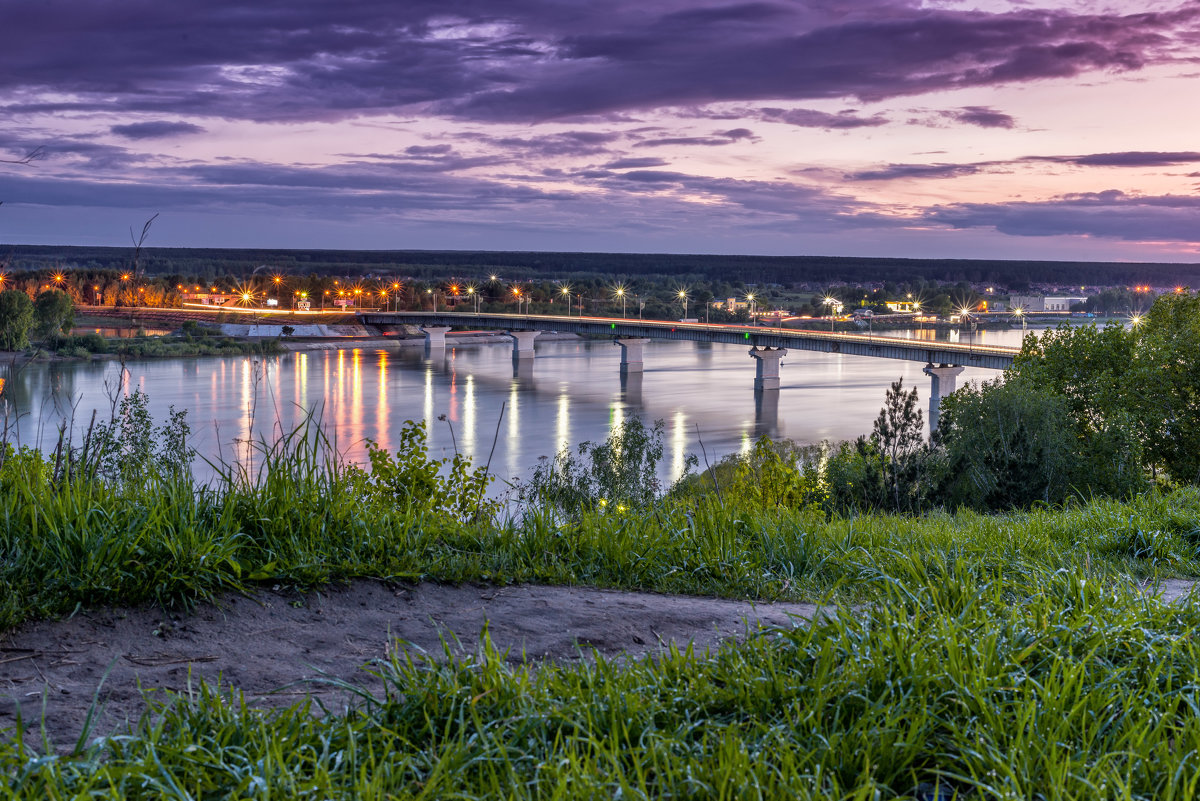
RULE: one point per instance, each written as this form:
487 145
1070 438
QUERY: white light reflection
563 427
469 438
678 444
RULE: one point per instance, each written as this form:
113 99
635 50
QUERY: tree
1010 444
16 316
1145 379
898 433
1165 382
53 314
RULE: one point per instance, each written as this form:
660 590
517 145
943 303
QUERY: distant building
1044 303
208 298
1062 302
900 306
731 305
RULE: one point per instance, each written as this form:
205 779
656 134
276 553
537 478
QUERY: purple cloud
716 140
1107 215
983 116
636 163
810 118
1135 158
525 60
894 171
156 129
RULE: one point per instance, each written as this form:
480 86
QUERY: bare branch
138 241
37 153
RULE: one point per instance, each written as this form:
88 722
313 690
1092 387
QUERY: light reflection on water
572 391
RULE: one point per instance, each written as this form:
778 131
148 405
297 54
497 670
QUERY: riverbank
947 642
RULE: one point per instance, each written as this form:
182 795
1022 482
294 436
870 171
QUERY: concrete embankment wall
298 330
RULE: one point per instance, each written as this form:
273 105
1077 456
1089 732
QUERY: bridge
944 361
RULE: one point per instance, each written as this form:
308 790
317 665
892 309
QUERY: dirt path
271 640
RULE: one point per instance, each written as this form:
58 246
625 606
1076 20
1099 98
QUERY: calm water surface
571 392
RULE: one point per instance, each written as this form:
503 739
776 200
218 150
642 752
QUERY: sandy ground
270 641
267 645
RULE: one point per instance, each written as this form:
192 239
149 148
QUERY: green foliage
16 318
53 314
416 482
899 436
1166 384
620 474
773 475
857 478
1008 444
1121 386
130 451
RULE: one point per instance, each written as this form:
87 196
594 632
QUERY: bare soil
269 644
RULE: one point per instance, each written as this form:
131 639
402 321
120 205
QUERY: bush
1011 444
621 473
414 480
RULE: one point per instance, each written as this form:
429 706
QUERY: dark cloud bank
534 60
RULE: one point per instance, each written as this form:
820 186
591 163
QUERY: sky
976 129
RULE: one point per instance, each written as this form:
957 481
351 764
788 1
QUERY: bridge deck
970 355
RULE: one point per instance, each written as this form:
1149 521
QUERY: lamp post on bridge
620 292
566 293
682 294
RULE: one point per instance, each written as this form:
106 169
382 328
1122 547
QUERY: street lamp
566 292
1020 312
620 292
831 303
433 295
750 300
965 315
682 294
1135 319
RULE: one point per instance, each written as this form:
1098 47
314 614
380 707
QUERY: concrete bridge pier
942 380
766 414
766 369
435 336
631 389
523 369
523 343
631 354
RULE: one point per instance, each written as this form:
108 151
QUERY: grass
1004 656
955 682
303 520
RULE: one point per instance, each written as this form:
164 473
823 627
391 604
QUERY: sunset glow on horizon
874 128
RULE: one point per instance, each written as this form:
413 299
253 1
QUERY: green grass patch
954 683
301 519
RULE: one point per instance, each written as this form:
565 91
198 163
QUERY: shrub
621 472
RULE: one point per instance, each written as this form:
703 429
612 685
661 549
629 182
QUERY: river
571 392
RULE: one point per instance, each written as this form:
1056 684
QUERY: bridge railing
516 321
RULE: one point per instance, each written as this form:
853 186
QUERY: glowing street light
831 302
474 295
566 292
1135 319
1020 312
620 293
682 295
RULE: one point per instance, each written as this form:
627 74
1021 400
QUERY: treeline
208 263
